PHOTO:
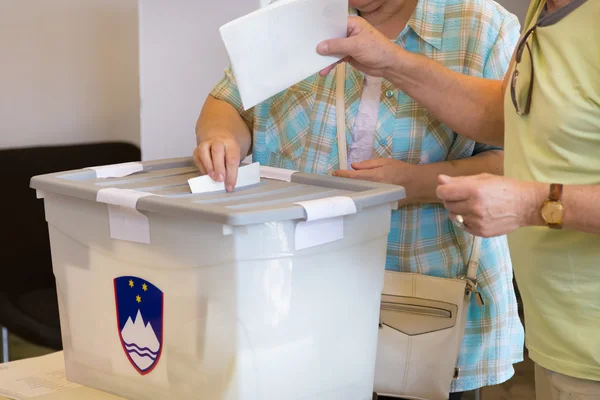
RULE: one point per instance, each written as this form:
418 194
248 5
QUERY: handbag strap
340 111
474 261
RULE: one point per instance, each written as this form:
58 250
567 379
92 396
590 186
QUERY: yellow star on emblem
144 287
131 283
138 298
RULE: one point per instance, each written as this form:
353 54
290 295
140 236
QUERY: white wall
182 58
68 71
517 7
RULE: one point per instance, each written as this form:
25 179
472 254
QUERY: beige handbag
422 319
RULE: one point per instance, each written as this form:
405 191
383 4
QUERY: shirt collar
427 21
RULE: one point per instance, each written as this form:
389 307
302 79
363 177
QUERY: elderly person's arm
471 106
493 206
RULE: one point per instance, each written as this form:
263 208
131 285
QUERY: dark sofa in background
28 302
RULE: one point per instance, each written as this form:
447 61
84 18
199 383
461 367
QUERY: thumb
340 47
444 179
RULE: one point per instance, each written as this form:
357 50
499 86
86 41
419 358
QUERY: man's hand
365 48
491 205
219 157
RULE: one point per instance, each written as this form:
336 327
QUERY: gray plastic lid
165 183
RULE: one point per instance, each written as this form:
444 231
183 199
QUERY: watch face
552 212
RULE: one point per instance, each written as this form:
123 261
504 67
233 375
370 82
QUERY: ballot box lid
162 187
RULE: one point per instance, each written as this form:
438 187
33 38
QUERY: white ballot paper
275 47
43 378
247 175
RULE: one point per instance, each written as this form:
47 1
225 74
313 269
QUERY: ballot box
270 292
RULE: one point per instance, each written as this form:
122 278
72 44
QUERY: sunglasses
521 84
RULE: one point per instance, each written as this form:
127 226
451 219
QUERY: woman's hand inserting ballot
218 156
223 139
365 48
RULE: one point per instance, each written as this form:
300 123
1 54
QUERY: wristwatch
552 211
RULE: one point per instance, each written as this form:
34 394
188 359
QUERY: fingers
336 46
339 47
202 154
219 158
371 164
198 162
217 151
232 164
453 189
354 25
327 70
463 208
444 179
366 175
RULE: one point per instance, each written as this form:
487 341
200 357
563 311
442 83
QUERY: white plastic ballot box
271 292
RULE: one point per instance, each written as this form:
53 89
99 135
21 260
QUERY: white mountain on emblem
141 342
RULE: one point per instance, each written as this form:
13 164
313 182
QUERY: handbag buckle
471 288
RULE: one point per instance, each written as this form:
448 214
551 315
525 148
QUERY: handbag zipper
414 309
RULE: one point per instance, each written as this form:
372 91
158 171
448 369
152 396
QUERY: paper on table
44 378
275 47
247 175
81 393
34 377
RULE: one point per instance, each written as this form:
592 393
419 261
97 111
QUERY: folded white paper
275 47
118 170
247 175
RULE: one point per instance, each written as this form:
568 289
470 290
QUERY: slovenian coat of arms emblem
140 315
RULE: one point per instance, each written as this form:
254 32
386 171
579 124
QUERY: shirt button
389 94
383 142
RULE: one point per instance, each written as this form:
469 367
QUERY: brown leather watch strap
556 190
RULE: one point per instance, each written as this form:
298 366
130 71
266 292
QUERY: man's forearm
472 107
426 180
580 203
221 118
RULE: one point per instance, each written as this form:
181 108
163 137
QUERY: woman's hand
218 156
365 48
383 170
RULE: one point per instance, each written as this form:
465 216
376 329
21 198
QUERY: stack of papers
275 47
43 378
